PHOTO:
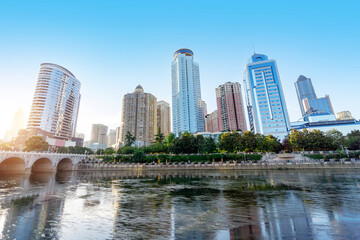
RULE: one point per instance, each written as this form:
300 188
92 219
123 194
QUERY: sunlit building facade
163 117
56 102
212 122
139 117
99 137
230 107
266 105
186 93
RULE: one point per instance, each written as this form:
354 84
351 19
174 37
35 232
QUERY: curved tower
186 93
56 102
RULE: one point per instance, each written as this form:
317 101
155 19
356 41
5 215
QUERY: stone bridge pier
33 162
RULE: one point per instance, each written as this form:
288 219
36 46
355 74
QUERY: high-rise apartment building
98 138
186 93
163 117
56 102
139 116
309 103
212 122
266 105
118 134
204 112
111 138
230 107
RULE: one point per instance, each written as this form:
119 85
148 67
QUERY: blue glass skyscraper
186 93
304 89
309 103
265 100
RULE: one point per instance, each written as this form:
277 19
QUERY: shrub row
181 158
334 155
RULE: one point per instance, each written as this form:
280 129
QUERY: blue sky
112 46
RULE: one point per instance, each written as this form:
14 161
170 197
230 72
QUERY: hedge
185 158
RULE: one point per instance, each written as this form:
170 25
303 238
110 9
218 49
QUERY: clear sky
112 46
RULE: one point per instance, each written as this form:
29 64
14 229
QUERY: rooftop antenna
253 48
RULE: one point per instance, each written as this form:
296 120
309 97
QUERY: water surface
312 204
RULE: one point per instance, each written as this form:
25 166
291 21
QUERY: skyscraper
111 138
56 102
304 89
186 93
230 107
98 138
309 103
163 117
212 122
266 105
139 116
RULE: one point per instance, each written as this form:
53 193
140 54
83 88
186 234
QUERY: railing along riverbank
277 164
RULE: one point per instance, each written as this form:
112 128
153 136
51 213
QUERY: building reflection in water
174 205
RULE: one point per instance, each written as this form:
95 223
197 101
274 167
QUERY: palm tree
129 139
159 137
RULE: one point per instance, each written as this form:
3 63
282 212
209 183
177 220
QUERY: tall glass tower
186 93
309 103
265 98
56 102
304 89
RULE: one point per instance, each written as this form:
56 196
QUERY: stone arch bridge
34 162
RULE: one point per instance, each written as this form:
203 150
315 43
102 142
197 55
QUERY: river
287 204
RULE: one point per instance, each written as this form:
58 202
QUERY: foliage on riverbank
141 157
337 155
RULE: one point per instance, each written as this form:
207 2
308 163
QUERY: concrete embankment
217 166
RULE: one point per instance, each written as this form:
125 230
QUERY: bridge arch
65 164
13 165
43 165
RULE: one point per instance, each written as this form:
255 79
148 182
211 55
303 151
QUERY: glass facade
186 94
321 105
265 99
56 102
309 103
304 89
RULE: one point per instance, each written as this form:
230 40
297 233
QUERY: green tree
138 156
100 152
129 139
155 148
353 140
206 145
226 142
249 140
273 144
334 139
36 143
126 150
298 139
169 139
159 137
63 150
109 151
187 143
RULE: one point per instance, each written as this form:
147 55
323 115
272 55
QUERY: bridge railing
34 152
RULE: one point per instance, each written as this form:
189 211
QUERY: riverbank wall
284 165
